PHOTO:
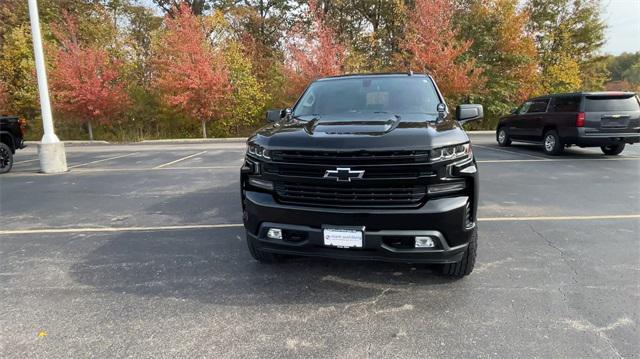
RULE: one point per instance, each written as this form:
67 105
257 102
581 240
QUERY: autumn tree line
128 70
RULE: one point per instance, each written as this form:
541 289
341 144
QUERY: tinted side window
611 103
566 104
524 108
534 106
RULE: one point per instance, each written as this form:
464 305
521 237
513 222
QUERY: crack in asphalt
574 275
369 302
562 253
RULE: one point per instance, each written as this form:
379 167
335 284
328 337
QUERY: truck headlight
450 152
257 151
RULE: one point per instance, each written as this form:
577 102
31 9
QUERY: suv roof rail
587 93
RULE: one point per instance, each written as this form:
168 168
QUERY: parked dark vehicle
608 120
12 130
367 167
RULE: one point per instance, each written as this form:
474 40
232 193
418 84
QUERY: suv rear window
611 103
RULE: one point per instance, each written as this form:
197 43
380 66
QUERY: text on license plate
343 238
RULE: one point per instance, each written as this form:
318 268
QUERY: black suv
12 131
608 120
369 167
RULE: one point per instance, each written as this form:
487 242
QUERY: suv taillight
23 126
580 119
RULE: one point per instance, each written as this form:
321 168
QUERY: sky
623 26
622 18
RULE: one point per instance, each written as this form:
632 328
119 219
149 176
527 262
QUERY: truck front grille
390 178
350 196
371 172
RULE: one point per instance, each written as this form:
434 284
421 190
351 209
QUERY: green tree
4 99
249 98
625 72
632 74
563 75
374 30
504 51
17 72
197 7
571 33
621 64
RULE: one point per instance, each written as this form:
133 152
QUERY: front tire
6 158
465 266
503 138
612 150
261 256
552 143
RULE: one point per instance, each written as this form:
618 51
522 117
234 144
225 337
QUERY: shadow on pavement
214 266
220 203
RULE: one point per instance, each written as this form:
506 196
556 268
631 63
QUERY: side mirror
274 115
469 112
514 111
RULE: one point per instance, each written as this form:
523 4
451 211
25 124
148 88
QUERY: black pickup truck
12 130
366 167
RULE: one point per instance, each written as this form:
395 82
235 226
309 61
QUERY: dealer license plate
343 238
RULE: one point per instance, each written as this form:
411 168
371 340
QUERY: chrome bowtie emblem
343 174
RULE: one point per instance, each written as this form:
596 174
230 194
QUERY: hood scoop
353 126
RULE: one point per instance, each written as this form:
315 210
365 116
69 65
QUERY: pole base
53 158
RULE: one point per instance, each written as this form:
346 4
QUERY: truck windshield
611 103
396 95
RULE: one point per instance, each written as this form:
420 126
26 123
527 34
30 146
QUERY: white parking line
510 152
238 225
27 161
117 229
89 170
179 160
102 160
558 218
563 160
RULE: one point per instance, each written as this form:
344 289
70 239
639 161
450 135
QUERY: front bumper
446 220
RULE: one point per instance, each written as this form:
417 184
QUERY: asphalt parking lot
138 251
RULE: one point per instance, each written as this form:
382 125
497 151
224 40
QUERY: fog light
425 242
274 233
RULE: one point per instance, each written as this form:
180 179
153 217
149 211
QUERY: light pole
50 150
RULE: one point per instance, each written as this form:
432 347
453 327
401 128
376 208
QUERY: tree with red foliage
86 82
432 46
314 51
189 73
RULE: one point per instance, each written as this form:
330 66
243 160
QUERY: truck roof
372 74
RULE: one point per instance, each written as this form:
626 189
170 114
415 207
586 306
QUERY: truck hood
377 131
